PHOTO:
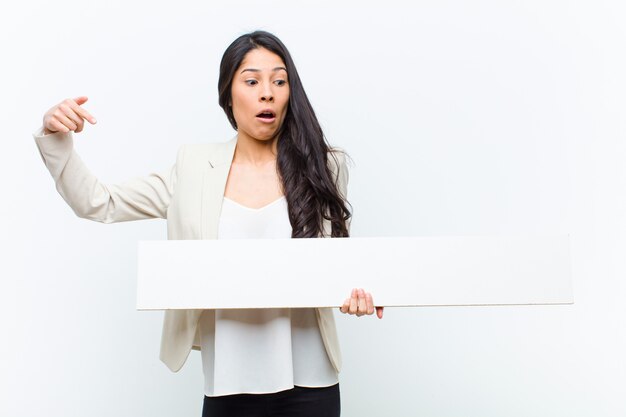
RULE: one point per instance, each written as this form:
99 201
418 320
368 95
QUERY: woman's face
260 94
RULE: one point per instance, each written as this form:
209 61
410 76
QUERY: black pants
295 402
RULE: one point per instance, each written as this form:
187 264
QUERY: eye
251 82
280 83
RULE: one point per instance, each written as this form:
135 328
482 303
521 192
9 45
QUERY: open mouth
266 115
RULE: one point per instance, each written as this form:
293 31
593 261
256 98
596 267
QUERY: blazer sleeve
139 198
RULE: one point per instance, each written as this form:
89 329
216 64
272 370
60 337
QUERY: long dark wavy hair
303 151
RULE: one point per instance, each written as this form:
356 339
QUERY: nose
267 96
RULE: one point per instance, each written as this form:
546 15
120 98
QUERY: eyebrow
258 70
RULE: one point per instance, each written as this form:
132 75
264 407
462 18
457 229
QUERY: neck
252 151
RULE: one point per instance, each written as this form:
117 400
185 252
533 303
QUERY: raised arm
139 198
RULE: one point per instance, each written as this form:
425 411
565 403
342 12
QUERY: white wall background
482 117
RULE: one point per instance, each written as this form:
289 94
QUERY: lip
266 119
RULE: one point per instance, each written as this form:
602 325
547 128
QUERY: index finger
82 112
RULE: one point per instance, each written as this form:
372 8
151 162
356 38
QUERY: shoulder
338 165
191 153
338 161
202 149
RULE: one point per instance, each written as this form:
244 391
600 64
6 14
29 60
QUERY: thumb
81 100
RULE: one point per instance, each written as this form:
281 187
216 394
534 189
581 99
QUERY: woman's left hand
360 303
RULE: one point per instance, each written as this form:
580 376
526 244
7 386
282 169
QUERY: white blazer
189 195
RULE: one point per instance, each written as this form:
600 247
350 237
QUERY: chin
262 138
265 136
264 133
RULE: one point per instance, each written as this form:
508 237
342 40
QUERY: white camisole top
258 351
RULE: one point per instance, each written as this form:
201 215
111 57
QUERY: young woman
276 178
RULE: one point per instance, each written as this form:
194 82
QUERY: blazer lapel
213 186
